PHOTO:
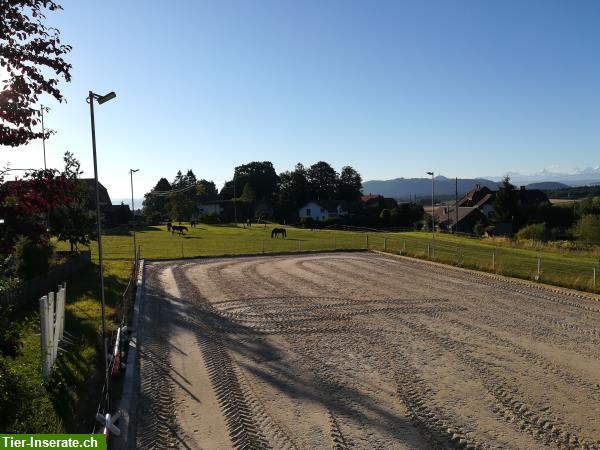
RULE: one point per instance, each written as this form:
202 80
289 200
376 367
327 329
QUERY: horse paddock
361 350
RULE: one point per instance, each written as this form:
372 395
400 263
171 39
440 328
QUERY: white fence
52 321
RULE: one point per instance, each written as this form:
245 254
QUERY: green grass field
566 268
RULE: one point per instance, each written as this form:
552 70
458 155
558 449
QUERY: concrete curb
127 406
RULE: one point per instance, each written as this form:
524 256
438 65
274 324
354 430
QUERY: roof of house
447 214
102 192
478 196
370 197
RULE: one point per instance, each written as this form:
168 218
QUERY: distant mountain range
577 177
405 188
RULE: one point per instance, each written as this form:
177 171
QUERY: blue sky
393 88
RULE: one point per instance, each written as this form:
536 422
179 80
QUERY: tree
25 204
349 184
588 229
30 52
322 180
155 205
505 203
261 176
73 222
248 195
206 190
294 192
180 207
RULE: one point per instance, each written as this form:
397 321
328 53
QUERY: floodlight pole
133 212
43 135
432 206
90 100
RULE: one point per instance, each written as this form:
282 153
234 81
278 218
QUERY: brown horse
278 231
178 228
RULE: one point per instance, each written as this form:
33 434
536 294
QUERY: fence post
404 246
44 334
539 266
367 241
50 327
594 278
385 244
494 260
428 251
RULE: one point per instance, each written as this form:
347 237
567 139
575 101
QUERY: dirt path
357 350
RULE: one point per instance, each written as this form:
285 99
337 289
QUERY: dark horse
169 226
277 231
193 223
179 228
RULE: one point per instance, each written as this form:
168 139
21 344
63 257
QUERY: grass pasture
568 268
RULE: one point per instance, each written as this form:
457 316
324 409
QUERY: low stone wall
31 290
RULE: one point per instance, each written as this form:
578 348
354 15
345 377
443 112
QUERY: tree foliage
587 229
32 54
323 180
349 184
261 176
74 222
505 204
25 204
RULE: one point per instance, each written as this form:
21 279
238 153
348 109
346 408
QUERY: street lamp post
100 99
432 206
43 134
131 171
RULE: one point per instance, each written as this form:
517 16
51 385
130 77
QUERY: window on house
308 211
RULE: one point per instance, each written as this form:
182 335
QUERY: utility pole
432 206
234 201
456 204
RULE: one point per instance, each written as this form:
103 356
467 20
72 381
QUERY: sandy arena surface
360 350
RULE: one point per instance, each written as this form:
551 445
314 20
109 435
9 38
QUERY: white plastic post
493 260
594 278
428 251
44 334
385 244
51 321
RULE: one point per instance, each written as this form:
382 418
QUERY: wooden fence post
385 244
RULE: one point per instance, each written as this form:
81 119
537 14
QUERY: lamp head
430 173
134 170
105 98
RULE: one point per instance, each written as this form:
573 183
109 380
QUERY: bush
535 232
32 259
307 222
10 333
587 229
479 229
210 218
